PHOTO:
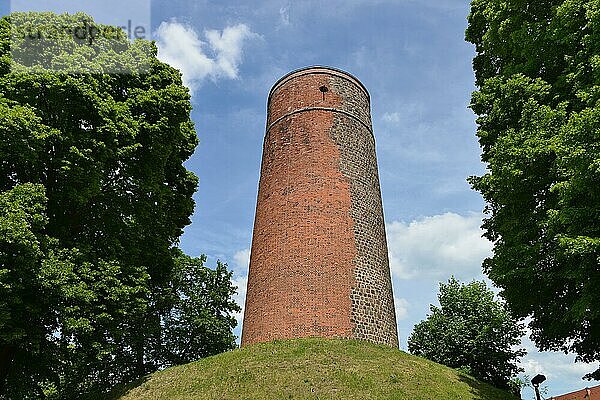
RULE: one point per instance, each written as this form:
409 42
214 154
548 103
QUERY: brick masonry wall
583 394
319 264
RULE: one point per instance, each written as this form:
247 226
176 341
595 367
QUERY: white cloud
559 368
555 365
180 46
401 308
242 259
406 112
284 15
240 297
228 47
391 117
437 247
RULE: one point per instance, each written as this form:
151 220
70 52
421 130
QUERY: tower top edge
319 69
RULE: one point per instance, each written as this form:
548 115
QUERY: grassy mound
312 369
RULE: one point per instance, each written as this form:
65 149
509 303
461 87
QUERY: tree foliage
470 331
537 70
197 325
93 199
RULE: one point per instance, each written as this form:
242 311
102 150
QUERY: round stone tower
319 262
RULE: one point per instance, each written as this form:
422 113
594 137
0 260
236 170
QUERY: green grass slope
312 369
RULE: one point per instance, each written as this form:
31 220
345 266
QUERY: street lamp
539 378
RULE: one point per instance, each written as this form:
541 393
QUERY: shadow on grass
117 392
485 391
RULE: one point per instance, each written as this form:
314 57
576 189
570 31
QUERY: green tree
93 199
22 318
197 325
537 70
470 331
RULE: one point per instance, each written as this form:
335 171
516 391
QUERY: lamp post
539 378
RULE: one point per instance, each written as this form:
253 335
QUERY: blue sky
412 58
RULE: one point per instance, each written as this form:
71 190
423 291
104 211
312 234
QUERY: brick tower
319 262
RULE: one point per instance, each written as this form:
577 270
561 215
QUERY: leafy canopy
93 199
471 331
537 70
